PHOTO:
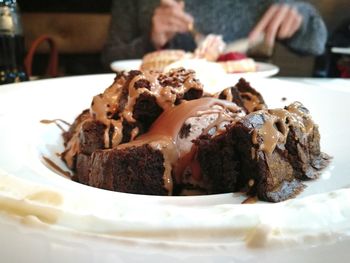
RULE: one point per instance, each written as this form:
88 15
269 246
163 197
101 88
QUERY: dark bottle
11 44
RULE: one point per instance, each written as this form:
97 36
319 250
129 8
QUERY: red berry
231 56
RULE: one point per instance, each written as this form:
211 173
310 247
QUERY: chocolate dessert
267 153
158 134
126 109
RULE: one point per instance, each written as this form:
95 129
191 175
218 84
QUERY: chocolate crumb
185 130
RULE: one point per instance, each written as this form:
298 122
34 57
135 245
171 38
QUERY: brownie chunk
244 96
303 145
219 163
269 175
91 136
135 169
267 153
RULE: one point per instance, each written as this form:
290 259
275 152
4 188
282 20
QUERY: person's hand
168 19
281 21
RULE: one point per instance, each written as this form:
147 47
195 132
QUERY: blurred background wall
334 12
80 28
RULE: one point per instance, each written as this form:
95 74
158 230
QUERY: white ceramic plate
59 220
263 69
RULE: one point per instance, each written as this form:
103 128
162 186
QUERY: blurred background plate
128 64
263 69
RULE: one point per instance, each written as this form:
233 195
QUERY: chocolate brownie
269 153
157 134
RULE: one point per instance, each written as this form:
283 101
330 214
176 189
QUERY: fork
197 36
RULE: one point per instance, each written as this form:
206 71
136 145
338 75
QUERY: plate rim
271 69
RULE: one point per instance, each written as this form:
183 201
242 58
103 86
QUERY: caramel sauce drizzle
49 162
276 127
251 102
103 108
270 135
57 122
56 168
72 146
303 118
250 200
228 94
170 122
223 118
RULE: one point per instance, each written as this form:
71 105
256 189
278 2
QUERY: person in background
141 26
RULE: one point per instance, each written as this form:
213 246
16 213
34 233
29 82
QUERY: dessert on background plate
234 62
211 60
211 49
158 60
